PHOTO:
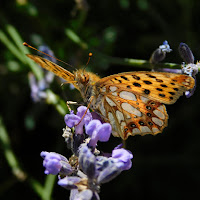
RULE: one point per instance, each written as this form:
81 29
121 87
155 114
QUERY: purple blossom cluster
87 169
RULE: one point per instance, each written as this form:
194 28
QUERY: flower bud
186 53
87 162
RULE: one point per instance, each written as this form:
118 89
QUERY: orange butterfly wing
133 102
51 66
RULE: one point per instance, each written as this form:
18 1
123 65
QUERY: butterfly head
83 77
84 82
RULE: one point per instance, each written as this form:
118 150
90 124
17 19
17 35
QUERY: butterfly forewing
51 66
159 86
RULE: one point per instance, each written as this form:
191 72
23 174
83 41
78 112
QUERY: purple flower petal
123 158
87 162
108 173
118 146
69 182
73 193
98 131
104 132
76 121
186 53
81 111
92 126
51 162
122 154
71 120
66 168
84 195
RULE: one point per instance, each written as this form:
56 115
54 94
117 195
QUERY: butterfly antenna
90 55
27 45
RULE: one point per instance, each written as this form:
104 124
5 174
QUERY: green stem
37 187
140 63
9 154
48 187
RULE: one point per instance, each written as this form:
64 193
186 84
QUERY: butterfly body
132 102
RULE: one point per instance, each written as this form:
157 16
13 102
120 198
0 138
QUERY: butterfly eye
84 79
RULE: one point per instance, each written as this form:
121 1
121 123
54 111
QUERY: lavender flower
165 47
69 182
55 163
123 158
160 53
186 53
94 171
51 162
111 167
190 68
47 50
84 195
72 120
87 162
38 88
86 169
98 131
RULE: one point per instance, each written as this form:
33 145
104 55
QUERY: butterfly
132 102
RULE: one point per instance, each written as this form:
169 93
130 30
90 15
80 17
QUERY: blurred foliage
165 166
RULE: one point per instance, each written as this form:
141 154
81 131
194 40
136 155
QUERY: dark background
165 166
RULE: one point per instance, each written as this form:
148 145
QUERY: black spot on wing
146 91
176 89
163 85
136 77
132 125
147 82
136 84
159 80
125 78
159 89
149 114
141 123
172 93
150 123
150 76
118 80
162 95
148 107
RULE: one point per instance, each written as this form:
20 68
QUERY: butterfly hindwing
132 114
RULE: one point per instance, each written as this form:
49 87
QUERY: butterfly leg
92 97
